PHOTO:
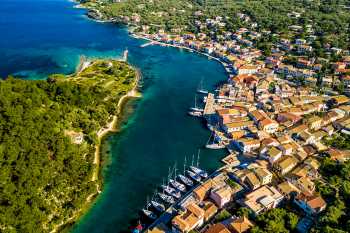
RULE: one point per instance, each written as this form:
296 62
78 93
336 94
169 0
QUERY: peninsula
51 131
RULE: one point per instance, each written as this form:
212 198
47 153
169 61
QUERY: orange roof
267 122
218 228
316 202
209 210
240 225
203 189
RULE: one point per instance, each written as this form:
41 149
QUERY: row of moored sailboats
172 190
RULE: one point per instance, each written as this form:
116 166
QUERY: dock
209 105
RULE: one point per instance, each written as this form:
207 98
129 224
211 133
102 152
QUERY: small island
51 131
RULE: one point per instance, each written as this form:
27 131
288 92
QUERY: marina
173 191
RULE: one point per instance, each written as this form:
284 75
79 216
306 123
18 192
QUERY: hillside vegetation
45 169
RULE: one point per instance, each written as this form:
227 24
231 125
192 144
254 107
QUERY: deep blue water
48 36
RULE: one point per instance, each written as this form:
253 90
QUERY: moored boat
195 113
171 191
177 185
200 88
196 108
215 146
199 171
158 206
166 198
194 176
149 214
186 180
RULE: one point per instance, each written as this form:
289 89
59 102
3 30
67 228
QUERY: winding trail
110 127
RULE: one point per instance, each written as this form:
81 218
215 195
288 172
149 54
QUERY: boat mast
175 170
192 160
185 165
163 185
195 101
169 175
211 135
147 203
199 151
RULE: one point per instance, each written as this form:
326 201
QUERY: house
210 210
288 189
240 225
217 228
315 122
202 191
288 117
247 144
304 184
307 138
285 164
252 181
268 125
237 126
262 199
338 155
273 154
264 175
222 195
311 205
189 219
287 149
247 69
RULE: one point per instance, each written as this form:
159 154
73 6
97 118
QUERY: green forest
45 176
329 19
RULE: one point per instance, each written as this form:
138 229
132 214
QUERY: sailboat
214 142
194 176
166 198
196 108
149 214
185 180
176 184
197 170
200 88
169 190
157 206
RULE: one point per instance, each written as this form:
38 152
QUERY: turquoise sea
41 37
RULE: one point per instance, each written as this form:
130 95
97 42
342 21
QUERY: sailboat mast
185 165
195 101
199 151
169 175
192 160
175 170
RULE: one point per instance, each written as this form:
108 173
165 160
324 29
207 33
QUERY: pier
209 105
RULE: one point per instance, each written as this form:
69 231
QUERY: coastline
101 134
111 126
155 42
